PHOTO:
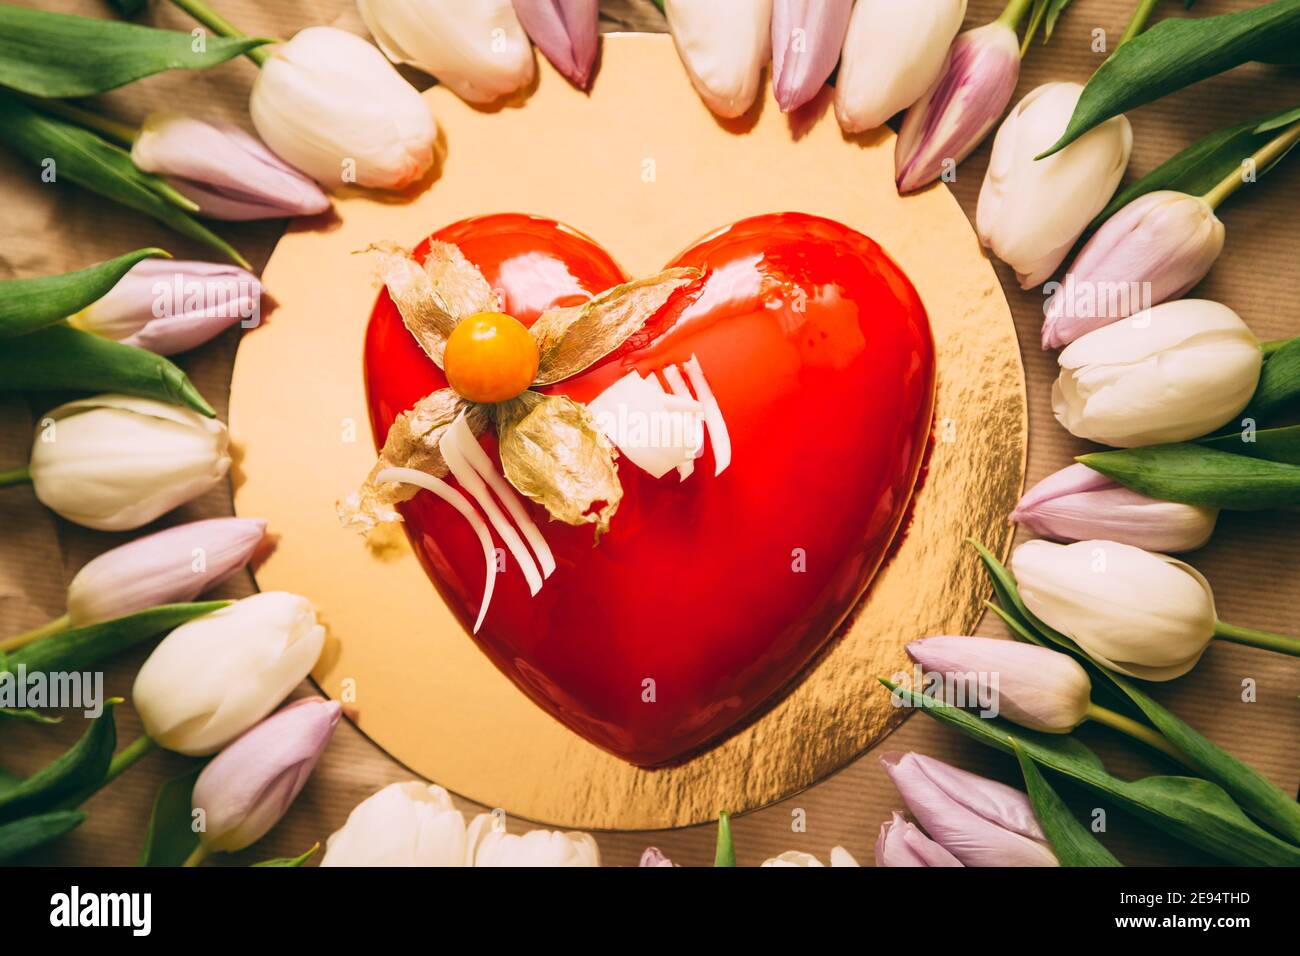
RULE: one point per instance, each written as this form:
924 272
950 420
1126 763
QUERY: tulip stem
1130 727
220 25
1139 22
198 856
127 757
1269 641
35 634
15 476
1269 348
1268 156
1014 12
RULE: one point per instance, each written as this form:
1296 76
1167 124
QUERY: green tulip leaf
1197 474
22 835
1072 842
1178 52
81 648
1273 444
60 357
1279 382
8 780
1252 790
171 836
290 860
61 55
1193 811
81 767
30 304
63 150
1203 165
26 713
724 853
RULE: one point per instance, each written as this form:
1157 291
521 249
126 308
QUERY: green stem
1281 643
1270 348
1139 22
198 856
35 634
15 476
1130 727
220 25
127 757
1264 159
725 852
1013 13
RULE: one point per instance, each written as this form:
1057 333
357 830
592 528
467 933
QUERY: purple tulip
171 566
901 843
1032 686
981 822
169 306
1154 249
566 31
653 856
1079 504
247 787
229 173
807 36
958 111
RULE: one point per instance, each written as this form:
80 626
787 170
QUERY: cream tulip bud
807 36
981 822
476 48
797 858
245 790
228 173
167 306
488 844
329 103
1154 249
893 52
216 676
115 462
954 115
1077 503
404 824
901 843
1034 687
1172 373
1032 211
1142 614
171 566
724 45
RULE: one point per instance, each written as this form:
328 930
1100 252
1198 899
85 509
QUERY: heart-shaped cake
715 587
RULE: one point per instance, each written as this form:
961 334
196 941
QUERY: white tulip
1172 373
724 45
216 676
476 48
489 845
892 54
1142 614
115 462
1031 212
404 824
797 858
329 103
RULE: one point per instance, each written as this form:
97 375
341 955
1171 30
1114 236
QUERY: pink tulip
169 306
979 821
247 787
960 108
807 36
653 856
1032 686
171 566
1154 249
1079 504
229 173
901 843
566 31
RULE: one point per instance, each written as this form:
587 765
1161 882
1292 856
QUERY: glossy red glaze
721 589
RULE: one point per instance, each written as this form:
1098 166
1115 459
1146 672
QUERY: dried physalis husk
412 442
574 338
435 297
553 453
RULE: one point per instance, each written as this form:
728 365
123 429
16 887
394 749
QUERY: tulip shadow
746 121
803 119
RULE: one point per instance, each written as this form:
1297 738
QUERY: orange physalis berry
490 357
